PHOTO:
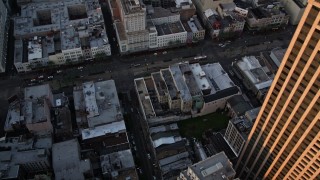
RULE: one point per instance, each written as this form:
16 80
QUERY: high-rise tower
285 140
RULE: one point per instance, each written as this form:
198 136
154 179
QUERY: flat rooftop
243 125
111 128
218 78
169 28
160 12
13 116
180 83
66 160
39 91
200 77
163 128
190 79
215 167
251 67
144 97
173 91
159 83
68 18
117 162
132 6
166 140
101 102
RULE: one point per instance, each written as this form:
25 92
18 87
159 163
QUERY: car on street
136 65
59 71
164 52
50 77
149 157
80 67
32 80
155 54
40 77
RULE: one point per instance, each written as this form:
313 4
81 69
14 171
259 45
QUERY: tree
100 56
50 63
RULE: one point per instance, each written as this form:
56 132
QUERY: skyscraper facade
284 142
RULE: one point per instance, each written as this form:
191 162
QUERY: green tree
100 56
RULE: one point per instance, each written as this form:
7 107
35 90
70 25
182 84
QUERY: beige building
285 139
264 17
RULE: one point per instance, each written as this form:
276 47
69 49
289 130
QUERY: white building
4 27
237 132
59 33
216 86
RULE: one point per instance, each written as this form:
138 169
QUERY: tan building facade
285 140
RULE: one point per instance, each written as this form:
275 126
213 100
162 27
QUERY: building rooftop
277 55
71 20
39 91
66 160
218 78
177 165
252 114
173 91
159 83
132 6
166 140
100 102
14 115
160 12
171 159
243 125
239 104
190 79
169 28
180 83
254 71
200 77
144 97
117 162
217 167
111 128
163 128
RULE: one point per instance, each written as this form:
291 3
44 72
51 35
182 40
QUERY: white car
80 67
149 157
50 77
40 77
59 71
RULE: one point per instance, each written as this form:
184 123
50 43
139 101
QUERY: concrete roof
100 100
13 116
117 162
144 97
180 83
243 125
66 160
214 167
111 128
168 79
252 114
200 76
166 140
163 128
171 159
132 6
39 91
190 79
217 77
170 28
159 83
254 72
